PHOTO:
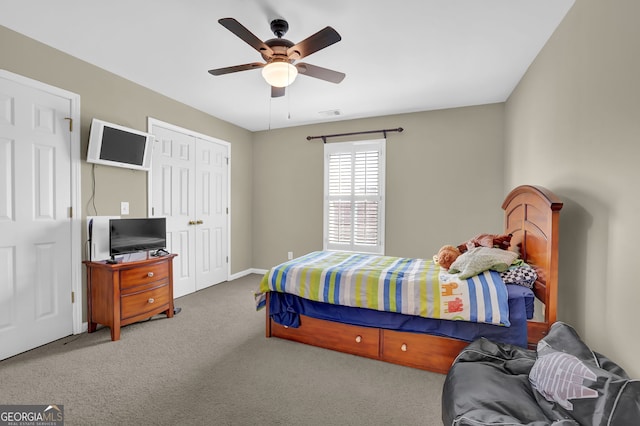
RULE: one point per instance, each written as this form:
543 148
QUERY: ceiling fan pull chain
289 104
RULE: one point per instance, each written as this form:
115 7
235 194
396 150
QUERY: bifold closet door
173 195
189 188
211 215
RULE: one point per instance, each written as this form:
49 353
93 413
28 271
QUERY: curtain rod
383 131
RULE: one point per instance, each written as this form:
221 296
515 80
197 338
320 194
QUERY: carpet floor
212 365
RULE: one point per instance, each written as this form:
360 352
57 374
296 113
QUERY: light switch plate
124 207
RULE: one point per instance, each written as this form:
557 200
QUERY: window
354 196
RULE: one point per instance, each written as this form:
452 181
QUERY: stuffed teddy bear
446 255
486 240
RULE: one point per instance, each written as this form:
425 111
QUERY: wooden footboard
531 216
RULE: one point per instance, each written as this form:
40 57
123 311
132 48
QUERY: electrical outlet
290 255
124 207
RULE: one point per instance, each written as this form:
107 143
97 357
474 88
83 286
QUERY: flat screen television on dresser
137 234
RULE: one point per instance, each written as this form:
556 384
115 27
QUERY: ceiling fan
280 55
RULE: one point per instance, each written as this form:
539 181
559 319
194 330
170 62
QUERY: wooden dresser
124 293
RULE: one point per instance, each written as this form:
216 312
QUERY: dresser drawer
149 302
143 275
411 349
363 341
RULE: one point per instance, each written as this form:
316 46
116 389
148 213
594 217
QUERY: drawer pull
150 274
403 348
151 300
358 339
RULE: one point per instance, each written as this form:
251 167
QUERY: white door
189 178
172 177
35 225
211 213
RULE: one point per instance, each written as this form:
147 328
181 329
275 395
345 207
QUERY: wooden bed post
268 317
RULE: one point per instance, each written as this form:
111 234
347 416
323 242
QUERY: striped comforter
393 284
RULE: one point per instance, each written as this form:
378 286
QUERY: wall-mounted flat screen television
114 145
135 235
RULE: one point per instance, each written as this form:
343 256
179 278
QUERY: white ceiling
399 57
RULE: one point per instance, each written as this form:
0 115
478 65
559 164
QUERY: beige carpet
212 365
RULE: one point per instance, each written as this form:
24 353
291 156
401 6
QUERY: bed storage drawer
420 350
362 341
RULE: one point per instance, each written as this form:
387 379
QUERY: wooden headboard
531 215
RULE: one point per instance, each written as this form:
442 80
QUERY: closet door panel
211 163
173 195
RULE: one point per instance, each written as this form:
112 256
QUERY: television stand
123 293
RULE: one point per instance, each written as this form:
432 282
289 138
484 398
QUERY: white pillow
480 259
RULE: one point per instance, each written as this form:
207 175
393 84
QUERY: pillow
520 275
572 381
480 259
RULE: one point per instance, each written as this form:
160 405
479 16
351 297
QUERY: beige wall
111 98
444 182
573 125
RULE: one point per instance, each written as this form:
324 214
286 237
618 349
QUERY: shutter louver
366 194
340 184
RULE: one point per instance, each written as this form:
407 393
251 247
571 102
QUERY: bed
531 216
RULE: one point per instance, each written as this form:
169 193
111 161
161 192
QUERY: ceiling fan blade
323 38
321 73
236 68
247 36
277 92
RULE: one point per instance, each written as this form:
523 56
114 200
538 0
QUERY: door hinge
70 123
227 259
227 160
71 212
227 210
73 297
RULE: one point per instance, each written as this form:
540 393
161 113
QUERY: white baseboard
247 272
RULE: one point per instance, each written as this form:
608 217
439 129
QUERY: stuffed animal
486 240
446 255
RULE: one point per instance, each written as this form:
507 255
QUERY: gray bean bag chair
563 382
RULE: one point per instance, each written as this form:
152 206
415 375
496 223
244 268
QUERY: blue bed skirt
285 309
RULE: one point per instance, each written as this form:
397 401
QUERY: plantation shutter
354 196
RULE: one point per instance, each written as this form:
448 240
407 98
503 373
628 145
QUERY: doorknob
192 222
199 222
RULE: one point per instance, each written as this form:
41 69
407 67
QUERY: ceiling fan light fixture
279 74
